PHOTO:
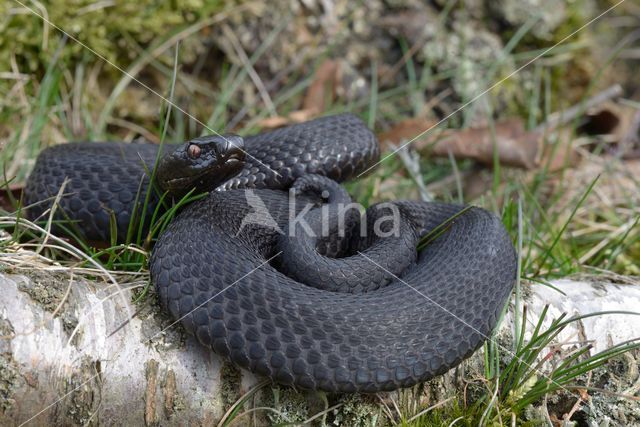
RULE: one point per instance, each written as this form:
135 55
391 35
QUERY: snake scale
360 312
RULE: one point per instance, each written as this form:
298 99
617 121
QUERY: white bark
137 375
64 364
583 297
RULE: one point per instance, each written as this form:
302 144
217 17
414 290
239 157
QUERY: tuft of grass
538 367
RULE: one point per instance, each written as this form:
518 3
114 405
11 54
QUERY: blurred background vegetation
412 50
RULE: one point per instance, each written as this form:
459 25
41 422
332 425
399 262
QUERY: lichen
291 407
230 382
46 289
522 12
357 411
467 51
619 374
9 373
49 290
158 328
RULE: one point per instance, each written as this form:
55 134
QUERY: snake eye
194 151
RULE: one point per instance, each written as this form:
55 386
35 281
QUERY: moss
100 25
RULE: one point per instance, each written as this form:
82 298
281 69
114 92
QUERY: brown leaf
323 87
516 146
6 195
557 156
293 117
406 130
274 122
601 122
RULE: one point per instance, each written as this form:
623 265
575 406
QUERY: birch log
87 362
70 355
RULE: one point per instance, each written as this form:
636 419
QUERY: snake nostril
194 151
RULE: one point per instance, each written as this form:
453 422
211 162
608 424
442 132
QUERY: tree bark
71 355
72 358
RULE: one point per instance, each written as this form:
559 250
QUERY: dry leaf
274 122
406 130
323 86
5 198
515 146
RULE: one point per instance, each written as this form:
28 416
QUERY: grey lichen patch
621 374
49 290
357 411
467 51
290 407
9 382
10 378
158 328
230 383
520 12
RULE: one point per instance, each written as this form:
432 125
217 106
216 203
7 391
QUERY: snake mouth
180 182
207 179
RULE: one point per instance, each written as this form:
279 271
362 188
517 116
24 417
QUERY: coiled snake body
350 313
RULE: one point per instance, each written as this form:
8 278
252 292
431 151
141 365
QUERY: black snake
349 313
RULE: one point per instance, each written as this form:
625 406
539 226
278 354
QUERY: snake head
202 163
